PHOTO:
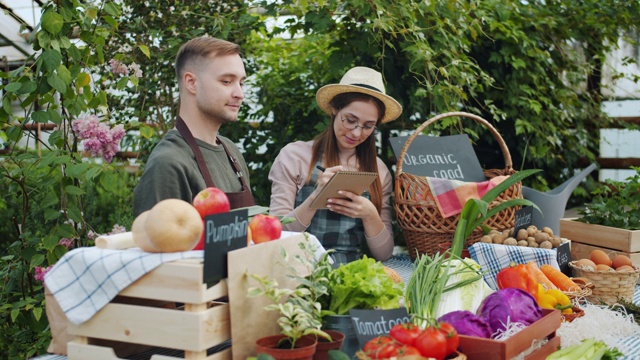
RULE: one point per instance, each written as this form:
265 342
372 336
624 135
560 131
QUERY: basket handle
478 119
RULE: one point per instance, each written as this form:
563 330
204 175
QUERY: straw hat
363 80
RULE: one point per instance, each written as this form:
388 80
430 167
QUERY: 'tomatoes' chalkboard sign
371 323
223 233
446 157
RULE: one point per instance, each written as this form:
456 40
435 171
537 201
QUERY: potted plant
611 221
300 310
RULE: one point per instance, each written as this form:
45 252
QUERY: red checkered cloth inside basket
451 195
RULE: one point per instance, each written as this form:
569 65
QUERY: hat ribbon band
368 87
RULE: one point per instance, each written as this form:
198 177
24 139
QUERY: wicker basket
609 286
586 289
418 216
577 312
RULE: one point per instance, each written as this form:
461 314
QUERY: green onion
429 281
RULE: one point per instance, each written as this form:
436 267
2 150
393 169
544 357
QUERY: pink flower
68 243
118 68
98 138
92 235
135 68
41 272
118 229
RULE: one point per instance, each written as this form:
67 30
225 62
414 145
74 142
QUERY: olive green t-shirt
172 171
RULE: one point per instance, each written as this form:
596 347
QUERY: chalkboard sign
369 324
222 233
449 157
524 218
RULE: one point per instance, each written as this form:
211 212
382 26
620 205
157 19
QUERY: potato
498 238
486 239
510 241
522 234
556 241
547 230
541 237
546 245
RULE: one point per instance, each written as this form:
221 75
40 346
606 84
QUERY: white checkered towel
84 280
494 257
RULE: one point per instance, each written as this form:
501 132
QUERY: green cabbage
467 297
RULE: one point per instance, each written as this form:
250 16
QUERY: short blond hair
200 48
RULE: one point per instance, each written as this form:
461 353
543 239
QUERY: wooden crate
202 323
476 348
587 237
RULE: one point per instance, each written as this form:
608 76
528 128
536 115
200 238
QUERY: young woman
357 105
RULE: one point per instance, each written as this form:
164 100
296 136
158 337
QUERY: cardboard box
476 348
586 237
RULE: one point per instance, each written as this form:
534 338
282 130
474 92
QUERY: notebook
355 181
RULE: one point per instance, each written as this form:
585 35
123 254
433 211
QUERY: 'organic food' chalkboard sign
223 232
447 157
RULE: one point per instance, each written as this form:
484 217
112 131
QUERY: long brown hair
326 144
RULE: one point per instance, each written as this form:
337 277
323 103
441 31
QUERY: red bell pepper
518 276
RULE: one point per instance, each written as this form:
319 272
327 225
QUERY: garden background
79 118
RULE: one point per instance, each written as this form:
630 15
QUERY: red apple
208 202
211 201
200 244
265 228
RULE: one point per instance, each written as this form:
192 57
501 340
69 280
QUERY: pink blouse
289 174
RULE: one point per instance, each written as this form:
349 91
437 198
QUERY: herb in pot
615 204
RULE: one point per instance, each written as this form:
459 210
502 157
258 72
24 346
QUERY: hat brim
326 93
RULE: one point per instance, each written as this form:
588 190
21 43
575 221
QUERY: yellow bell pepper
554 299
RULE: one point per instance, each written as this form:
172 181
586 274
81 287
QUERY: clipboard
355 181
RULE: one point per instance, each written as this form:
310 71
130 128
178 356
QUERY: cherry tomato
406 350
406 333
380 347
432 343
451 335
387 350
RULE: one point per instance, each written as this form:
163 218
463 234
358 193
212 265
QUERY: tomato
380 347
432 343
451 335
406 333
405 350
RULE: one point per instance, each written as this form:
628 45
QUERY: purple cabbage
467 323
509 305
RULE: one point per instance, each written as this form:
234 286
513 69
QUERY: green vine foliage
533 69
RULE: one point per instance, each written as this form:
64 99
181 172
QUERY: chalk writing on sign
445 157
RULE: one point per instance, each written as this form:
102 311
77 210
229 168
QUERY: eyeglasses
351 124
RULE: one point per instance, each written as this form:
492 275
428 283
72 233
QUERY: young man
193 156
